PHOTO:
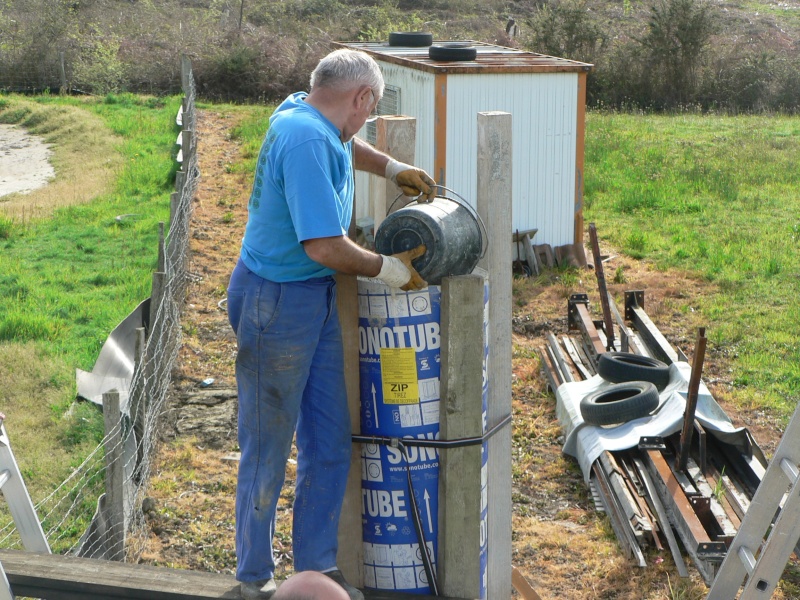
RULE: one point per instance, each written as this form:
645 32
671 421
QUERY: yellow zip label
399 376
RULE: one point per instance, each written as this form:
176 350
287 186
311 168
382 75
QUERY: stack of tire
637 381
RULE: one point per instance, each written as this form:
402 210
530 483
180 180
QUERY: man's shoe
354 593
258 590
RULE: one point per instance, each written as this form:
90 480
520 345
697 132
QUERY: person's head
346 85
346 69
310 585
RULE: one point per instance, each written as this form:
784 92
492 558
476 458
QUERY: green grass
68 280
69 275
718 196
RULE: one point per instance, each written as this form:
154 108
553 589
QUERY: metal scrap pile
692 482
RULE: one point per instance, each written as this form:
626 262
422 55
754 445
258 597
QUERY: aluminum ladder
20 506
764 570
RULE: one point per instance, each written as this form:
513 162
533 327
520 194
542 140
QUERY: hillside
652 54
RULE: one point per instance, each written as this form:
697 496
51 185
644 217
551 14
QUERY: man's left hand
412 180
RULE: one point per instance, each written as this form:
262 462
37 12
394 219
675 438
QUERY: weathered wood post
351 550
494 206
162 259
396 135
461 416
138 401
115 476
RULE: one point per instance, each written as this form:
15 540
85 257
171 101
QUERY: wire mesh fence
115 475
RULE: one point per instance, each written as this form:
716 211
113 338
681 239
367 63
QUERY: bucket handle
461 201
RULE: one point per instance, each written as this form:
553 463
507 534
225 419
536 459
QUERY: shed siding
544 115
543 110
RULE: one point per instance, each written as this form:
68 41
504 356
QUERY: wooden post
460 416
351 551
494 206
115 475
187 144
63 89
186 72
162 267
180 180
396 135
156 298
138 400
174 201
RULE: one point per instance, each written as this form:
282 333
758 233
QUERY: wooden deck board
57 577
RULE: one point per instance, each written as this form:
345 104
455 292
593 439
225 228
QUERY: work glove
397 271
410 179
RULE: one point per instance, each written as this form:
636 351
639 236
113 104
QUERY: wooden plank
58 577
350 558
530 254
522 586
580 135
550 370
461 416
573 354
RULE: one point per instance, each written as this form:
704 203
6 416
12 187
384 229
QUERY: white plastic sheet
587 442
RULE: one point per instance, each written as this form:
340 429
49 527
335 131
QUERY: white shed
546 97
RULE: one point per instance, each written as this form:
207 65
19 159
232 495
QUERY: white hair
347 68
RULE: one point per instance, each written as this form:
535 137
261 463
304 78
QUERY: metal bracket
573 319
652 442
633 299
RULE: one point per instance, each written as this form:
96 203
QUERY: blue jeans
290 376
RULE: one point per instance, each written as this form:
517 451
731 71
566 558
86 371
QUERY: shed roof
490 59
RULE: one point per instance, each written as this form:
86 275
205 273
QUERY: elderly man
282 306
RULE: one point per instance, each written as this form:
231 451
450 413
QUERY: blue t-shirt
303 189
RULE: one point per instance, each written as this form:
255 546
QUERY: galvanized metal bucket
452 231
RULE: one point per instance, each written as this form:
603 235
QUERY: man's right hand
397 271
415 282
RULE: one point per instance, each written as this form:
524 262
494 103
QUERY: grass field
713 196
72 268
716 196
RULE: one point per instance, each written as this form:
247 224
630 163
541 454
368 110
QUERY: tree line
647 55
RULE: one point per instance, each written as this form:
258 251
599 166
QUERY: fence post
63 89
180 179
397 137
174 200
187 143
162 267
115 476
494 206
138 400
461 416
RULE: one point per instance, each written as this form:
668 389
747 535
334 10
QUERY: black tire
618 367
619 403
452 51
410 39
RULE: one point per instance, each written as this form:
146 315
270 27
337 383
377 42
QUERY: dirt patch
560 543
24 161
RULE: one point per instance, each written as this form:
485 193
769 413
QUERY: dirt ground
24 161
560 543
